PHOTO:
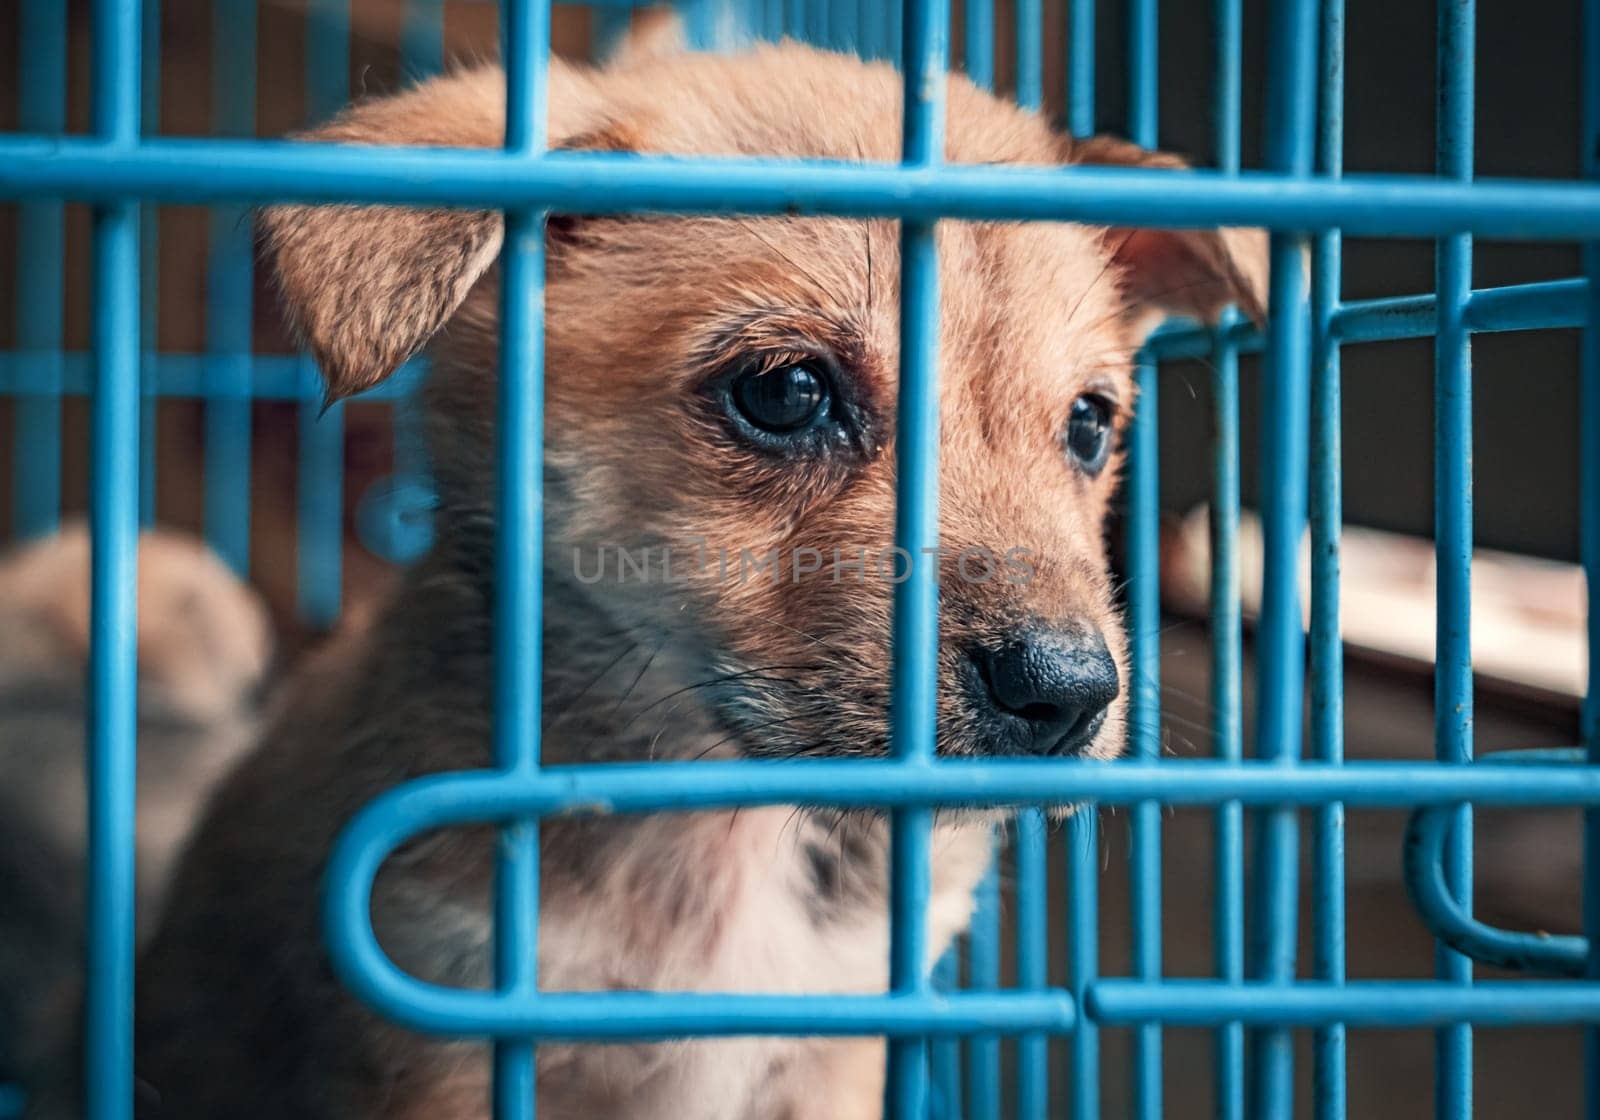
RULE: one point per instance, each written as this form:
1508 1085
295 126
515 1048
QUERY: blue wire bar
1033 941
485 796
1589 529
979 45
1031 863
422 38
404 538
1083 920
607 25
1425 864
264 171
1227 655
1326 648
1452 458
114 524
1080 67
149 271
1393 1004
230 295
1030 53
1227 701
319 554
1083 828
36 445
1544 305
1144 604
1144 719
519 549
869 19
842 22
916 532
1280 641
945 1052
983 975
816 20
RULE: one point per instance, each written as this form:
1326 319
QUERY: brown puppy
720 392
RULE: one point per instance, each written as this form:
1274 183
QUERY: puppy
204 647
720 402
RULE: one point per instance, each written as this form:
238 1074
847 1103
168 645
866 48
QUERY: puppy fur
239 1014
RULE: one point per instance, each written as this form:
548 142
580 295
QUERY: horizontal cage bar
263 171
1398 1004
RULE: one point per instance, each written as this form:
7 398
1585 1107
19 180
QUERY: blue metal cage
944 1056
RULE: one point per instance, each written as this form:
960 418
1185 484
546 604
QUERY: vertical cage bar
1228 99
149 270
1033 939
1453 523
1030 53
705 23
519 545
1083 917
40 264
1327 646
1144 610
816 15
1227 655
983 974
1589 528
320 510
896 28
114 523
1227 701
421 56
869 28
1083 828
608 25
230 297
869 18
1080 67
1590 423
846 32
916 598
1143 74
319 556
422 39
945 1053
980 43
1144 628
1280 644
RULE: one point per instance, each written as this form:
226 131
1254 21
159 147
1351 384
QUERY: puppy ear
366 287
1195 272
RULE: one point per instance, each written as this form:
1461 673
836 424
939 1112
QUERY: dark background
1525 384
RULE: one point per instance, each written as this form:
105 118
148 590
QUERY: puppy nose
1048 688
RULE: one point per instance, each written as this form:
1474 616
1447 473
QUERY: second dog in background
204 650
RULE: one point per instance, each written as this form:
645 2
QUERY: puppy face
721 396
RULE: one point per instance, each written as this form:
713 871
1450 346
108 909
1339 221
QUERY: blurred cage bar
1010 1022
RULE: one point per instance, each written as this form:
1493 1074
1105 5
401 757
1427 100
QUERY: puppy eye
1088 434
781 400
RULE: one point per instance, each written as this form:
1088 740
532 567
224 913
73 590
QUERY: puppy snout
1044 690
